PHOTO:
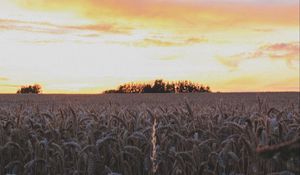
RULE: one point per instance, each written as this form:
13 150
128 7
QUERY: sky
87 46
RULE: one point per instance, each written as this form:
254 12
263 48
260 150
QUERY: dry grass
185 136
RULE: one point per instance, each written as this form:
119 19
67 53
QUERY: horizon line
102 93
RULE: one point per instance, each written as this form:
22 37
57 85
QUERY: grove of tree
160 86
30 89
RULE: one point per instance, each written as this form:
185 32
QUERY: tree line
31 89
160 86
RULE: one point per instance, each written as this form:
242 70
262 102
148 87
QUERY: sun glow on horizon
87 46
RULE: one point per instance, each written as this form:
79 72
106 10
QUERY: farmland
147 134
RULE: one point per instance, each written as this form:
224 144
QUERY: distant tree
31 89
147 89
111 91
159 86
170 88
121 89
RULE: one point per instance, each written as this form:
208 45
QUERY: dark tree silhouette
147 89
170 88
159 86
31 89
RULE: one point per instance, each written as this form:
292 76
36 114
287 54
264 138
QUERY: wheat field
150 134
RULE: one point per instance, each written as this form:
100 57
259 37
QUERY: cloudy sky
86 46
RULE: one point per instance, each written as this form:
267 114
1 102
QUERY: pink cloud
285 51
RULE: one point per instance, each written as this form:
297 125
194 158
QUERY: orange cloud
190 15
167 43
44 27
194 40
231 62
170 42
101 28
156 42
36 27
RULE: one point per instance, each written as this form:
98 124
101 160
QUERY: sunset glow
87 46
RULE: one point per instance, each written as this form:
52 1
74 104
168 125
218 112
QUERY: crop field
150 134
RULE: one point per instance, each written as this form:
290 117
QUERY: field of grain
147 134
